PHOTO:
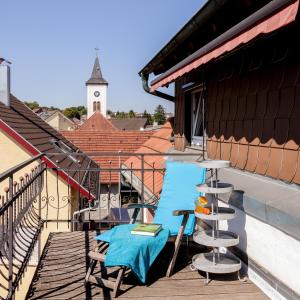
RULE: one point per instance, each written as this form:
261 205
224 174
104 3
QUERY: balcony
47 226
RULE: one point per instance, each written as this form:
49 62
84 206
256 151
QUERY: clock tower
96 91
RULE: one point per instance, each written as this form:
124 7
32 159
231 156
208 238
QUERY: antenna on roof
96 49
4 60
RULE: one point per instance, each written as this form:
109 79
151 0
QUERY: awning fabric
280 18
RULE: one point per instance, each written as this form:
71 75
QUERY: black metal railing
106 200
20 222
91 197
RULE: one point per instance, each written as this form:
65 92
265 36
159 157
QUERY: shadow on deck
62 270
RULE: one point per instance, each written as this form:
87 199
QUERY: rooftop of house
50 114
211 20
130 123
97 122
36 136
103 141
159 142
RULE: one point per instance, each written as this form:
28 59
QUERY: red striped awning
282 17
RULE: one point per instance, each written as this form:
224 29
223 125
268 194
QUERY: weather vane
96 49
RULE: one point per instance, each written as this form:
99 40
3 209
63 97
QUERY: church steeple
96 91
96 76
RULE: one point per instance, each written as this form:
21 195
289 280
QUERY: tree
131 114
54 108
72 112
123 115
159 115
148 117
32 105
82 110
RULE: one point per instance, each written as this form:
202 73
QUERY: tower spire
96 76
97 50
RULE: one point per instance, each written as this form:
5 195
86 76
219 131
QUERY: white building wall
269 247
91 89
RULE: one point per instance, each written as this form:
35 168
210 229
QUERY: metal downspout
145 78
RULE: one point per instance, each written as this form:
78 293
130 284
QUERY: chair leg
90 269
118 281
177 245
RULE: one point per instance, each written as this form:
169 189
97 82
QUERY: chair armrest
180 212
139 206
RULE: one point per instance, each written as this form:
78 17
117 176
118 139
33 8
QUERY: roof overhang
34 151
274 15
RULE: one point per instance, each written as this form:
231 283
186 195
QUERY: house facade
235 69
59 121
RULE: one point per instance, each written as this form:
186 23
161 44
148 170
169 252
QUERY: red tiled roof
97 122
108 141
158 143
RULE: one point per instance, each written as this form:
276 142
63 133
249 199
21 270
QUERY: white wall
269 247
91 88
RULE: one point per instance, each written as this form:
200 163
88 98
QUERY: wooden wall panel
254 113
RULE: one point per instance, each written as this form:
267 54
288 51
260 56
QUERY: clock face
96 93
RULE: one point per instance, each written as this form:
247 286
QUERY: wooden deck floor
64 263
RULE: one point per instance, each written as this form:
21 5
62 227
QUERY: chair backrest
178 192
120 214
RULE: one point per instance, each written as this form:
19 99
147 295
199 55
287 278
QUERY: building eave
50 164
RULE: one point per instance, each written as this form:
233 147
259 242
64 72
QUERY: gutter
260 15
207 10
145 78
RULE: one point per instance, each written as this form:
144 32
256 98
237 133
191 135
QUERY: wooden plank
200 290
61 275
244 296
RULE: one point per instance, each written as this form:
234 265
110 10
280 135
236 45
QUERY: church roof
96 76
97 122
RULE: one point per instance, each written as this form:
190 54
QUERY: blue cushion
179 192
105 236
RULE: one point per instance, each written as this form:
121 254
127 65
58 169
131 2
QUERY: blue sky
51 45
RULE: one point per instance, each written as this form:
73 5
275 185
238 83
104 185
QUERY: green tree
54 108
123 115
159 115
148 117
32 105
72 112
131 114
82 110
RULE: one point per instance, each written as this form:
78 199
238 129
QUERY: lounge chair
175 211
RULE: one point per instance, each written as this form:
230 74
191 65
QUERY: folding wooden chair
175 211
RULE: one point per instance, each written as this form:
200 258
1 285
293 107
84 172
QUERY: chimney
5 84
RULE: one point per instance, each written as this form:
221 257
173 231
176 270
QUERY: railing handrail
125 154
106 169
8 173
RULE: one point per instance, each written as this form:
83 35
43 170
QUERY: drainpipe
145 78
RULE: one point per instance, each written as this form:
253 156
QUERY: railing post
142 188
10 239
40 207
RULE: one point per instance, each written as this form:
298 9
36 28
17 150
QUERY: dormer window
64 148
